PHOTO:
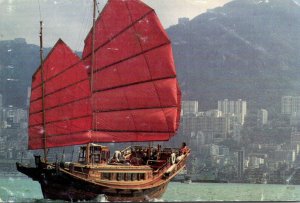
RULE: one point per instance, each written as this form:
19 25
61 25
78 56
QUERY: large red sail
135 92
66 101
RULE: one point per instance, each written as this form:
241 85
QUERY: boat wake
101 198
9 192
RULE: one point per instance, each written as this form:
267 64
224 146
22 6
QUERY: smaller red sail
67 105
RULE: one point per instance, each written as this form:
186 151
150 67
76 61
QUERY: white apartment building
262 117
290 104
189 107
238 108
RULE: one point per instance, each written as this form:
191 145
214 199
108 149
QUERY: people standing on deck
184 149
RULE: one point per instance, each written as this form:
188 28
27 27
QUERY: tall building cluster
290 104
236 108
215 125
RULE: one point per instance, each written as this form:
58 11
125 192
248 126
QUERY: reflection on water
26 190
231 192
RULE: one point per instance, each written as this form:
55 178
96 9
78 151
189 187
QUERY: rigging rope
40 10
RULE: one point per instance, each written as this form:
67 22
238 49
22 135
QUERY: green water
26 190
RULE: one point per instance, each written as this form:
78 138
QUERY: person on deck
184 149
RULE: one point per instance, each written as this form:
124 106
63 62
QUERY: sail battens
136 83
118 34
130 57
131 131
87 51
149 133
61 140
86 98
137 120
67 102
135 97
70 119
134 78
59 74
144 108
61 89
129 137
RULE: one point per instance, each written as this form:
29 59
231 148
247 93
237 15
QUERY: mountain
18 60
248 49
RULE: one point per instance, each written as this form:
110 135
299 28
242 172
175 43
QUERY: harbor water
21 189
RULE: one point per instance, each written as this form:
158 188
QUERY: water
26 190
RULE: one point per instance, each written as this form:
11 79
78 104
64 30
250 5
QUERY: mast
43 91
93 44
92 74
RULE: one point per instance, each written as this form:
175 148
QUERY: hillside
247 49
18 60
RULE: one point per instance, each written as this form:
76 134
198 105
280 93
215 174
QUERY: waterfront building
290 104
214 150
240 163
1 111
295 119
13 117
295 141
285 156
236 132
28 96
238 108
213 126
1 101
223 150
189 107
262 117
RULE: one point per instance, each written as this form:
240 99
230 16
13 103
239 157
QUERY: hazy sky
71 19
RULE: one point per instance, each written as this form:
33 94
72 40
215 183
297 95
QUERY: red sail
67 101
135 92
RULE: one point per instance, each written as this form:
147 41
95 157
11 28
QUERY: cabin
94 162
93 154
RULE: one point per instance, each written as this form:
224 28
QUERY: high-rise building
28 96
1 100
1 111
210 123
214 150
240 162
14 117
238 108
262 117
189 107
290 104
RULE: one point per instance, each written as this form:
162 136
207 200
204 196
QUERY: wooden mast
92 74
43 90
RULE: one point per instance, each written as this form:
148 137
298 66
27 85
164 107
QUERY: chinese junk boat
123 89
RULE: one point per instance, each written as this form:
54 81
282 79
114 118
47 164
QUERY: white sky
70 20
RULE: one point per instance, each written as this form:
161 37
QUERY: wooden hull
59 185
78 182
65 187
